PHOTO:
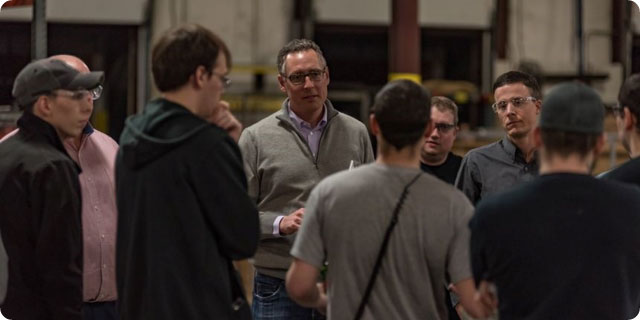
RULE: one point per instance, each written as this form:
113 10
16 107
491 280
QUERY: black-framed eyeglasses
444 127
298 78
226 82
517 102
80 94
617 110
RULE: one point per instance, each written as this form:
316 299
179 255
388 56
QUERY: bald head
73 61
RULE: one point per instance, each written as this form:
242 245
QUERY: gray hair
298 45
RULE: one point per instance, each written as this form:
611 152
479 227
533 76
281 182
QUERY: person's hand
486 295
322 299
291 223
223 118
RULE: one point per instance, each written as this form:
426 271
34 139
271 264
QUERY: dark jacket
40 222
183 214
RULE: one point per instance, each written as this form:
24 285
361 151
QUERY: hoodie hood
162 127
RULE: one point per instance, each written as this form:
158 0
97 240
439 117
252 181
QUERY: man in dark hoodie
183 208
40 200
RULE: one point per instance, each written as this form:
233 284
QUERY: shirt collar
514 153
300 123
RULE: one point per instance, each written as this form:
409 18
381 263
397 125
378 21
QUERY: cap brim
86 81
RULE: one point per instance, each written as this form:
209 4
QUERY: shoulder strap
383 248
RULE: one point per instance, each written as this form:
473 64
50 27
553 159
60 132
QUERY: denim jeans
99 311
271 301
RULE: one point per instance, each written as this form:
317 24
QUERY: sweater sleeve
249 147
366 147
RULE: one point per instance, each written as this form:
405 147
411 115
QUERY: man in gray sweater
285 156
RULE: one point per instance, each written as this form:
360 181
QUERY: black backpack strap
383 248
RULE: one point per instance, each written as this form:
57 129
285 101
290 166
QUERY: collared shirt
312 136
96 157
494 168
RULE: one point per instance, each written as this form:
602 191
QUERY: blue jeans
271 301
99 311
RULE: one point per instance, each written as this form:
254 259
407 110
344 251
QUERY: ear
599 144
630 120
281 82
373 124
200 76
538 106
327 72
43 107
537 137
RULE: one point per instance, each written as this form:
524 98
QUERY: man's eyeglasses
299 77
617 110
444 127
81 94
226 82
517 102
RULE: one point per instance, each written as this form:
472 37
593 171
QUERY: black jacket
183 214
40 222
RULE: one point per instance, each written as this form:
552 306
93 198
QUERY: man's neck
76 141
313 117
434 160
526 145
183 98
570 164
408 157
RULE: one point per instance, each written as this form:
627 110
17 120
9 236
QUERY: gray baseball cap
45 75
572 107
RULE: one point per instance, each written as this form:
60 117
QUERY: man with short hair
95 153
183 209
436 156
285 156
437 159
565 245
40 219
503 164
348 213
627 115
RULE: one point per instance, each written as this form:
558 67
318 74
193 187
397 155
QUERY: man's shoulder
103 140
32 155
507 201
487 149
627 172
269 123
349 122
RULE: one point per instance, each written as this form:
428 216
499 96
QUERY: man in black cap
627 114
565 245
40 218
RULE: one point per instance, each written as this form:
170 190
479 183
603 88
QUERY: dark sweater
183 215
447 171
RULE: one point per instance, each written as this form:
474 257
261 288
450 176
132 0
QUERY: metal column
39 30
404 41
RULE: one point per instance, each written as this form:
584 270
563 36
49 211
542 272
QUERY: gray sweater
282 171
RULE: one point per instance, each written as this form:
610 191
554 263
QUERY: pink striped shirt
96 157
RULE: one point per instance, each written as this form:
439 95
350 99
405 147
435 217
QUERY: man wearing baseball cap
565 245
40 217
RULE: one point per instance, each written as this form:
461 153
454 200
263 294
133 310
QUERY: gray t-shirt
345 220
